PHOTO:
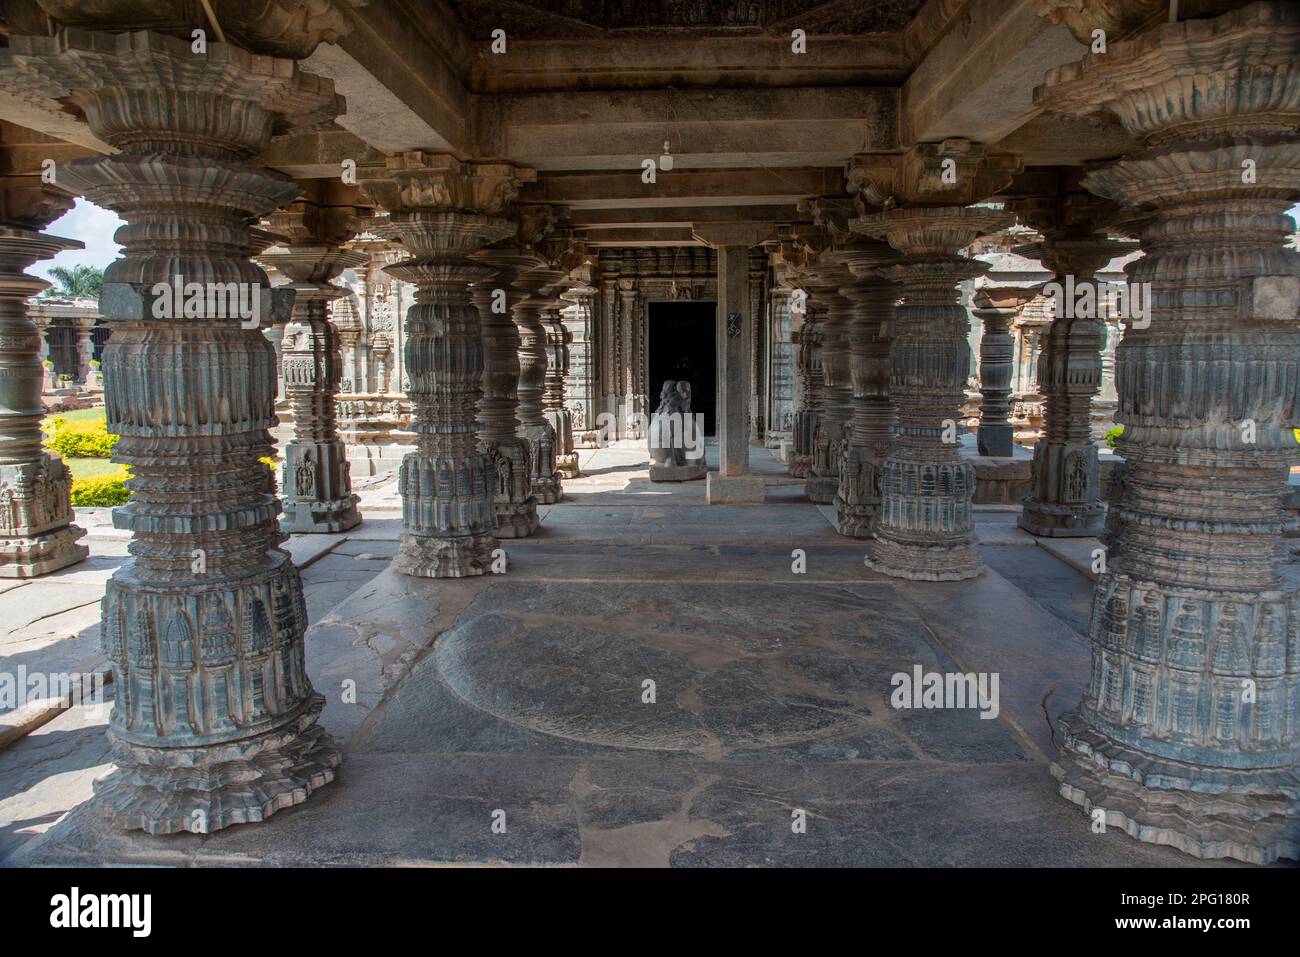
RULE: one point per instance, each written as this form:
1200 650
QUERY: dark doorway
683 345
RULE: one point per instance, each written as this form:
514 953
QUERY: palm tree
77 282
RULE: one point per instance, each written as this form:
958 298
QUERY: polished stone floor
656 681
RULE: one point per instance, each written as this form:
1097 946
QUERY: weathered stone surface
514 501
673 432
924 527
1186 734
443 211
316 483
733 489
215 721
36 531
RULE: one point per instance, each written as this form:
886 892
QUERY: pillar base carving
234 741
460 486
927 506
1166 706
428 557
36 534
1248 817
45 542
1076 470
317 515
857 501
546 485
822 489
516 511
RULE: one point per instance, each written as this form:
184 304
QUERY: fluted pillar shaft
925 528
214 722
36 531
1189 729
514 502
534 427
995 436
871 426
811 388
315 480
557 367
833 423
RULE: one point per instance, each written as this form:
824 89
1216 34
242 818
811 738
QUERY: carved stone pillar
215 719
994 436
609 346
580 384
36 531
557 367
1189 730
443 211
533 425
629 424
925 528
810 382
315 483
871 431
85 348
1066 497
758 344
515 503
832 426
275 335
780 367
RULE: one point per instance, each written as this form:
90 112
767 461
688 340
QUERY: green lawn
84 468
76 415
89 468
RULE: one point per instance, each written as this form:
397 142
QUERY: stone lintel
733 234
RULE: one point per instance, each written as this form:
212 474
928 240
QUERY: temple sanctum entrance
683 345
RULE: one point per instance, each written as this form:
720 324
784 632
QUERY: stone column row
925 525
443 211
36 531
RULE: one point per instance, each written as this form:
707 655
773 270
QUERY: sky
95 227
92 225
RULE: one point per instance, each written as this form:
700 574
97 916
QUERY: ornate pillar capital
951 172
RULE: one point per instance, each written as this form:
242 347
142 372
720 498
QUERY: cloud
91 225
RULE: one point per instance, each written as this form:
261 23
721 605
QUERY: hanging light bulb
666 161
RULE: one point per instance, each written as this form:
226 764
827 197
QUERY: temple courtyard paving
655 681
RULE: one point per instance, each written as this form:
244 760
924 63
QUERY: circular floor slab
735 666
